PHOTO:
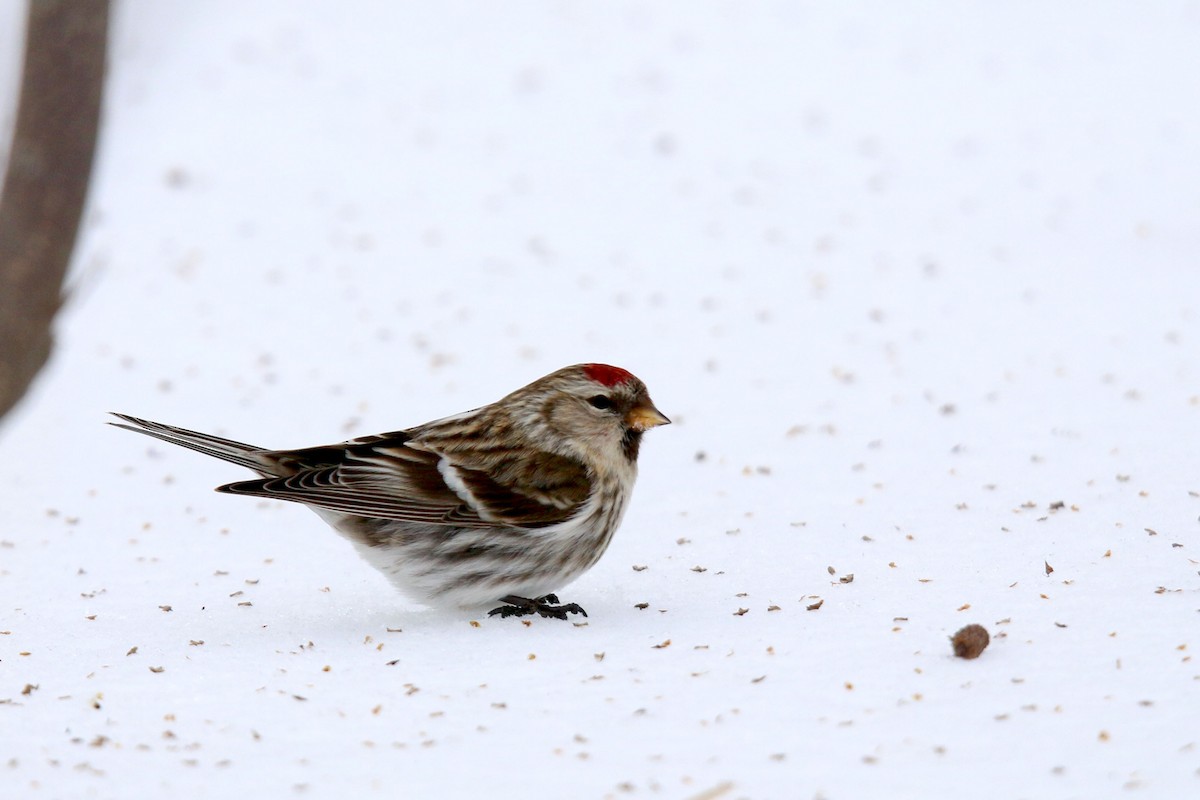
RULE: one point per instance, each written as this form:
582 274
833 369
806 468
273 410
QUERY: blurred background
399 200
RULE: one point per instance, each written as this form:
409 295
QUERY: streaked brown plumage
509 502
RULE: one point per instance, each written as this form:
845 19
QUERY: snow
916 282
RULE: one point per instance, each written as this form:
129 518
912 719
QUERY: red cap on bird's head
606 375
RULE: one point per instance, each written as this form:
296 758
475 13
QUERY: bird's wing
392 476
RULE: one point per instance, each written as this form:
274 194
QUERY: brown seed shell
970 641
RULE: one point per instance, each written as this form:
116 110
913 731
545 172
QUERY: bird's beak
645 416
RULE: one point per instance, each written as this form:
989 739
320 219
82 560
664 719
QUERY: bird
505 503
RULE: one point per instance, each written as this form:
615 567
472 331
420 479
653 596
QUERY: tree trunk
46 182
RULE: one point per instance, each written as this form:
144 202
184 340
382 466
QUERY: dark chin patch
630 443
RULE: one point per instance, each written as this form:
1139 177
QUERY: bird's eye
600 401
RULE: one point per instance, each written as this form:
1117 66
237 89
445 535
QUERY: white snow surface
917 282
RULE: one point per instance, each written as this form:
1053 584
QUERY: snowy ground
917 282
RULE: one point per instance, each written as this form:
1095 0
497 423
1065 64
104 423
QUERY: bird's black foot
546 606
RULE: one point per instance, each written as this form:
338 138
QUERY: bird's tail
246 455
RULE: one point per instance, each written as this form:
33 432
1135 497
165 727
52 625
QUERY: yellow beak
645 417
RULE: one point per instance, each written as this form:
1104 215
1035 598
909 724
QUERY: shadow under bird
509 502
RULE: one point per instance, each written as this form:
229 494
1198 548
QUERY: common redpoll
508 502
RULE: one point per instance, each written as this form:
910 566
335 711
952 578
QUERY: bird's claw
546 606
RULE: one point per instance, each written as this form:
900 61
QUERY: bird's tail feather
245 455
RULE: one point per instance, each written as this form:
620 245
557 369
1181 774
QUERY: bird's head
598 409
